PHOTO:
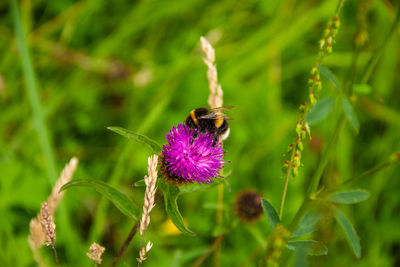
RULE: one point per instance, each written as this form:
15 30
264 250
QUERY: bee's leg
194 137
216 139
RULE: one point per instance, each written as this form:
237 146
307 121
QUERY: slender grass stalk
33 94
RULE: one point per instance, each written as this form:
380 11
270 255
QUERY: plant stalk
126 243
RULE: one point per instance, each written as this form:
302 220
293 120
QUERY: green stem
325 158
286 183
374 59
368 172
317 176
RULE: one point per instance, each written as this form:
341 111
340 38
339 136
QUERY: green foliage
270 212
70 68
120 201
349 197
328 74
363 89
151 144
321 110
307 224
171 193
311 247
350 114
350 232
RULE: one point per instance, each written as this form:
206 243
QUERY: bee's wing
221 109
213 116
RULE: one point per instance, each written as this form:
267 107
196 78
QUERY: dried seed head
248 206
95 252
36 235
48 226
66 176
215 98
149 197
143 252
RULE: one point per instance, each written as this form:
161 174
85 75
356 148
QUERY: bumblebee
212 121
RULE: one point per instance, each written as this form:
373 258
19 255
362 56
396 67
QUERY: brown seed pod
248 206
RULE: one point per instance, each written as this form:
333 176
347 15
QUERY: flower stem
56 255
317 175
217 253
126 243
287 178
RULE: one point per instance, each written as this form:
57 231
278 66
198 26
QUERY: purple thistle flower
192 158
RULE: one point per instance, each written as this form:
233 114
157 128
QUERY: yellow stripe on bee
219 121
193 116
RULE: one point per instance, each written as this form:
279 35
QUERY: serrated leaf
350 232
320 111
349 197
363 89
121 202
307 224
271 213
312 247
350 114
150 143
328 74
171 193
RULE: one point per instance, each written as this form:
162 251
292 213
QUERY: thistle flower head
191 155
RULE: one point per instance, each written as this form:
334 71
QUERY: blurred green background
138 65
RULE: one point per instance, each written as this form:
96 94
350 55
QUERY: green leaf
328 74
312 247
140 183
122 202
320 111
271 213
171 193
349 197
351 116
350 232
195 187
150 143
362 89
307 224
